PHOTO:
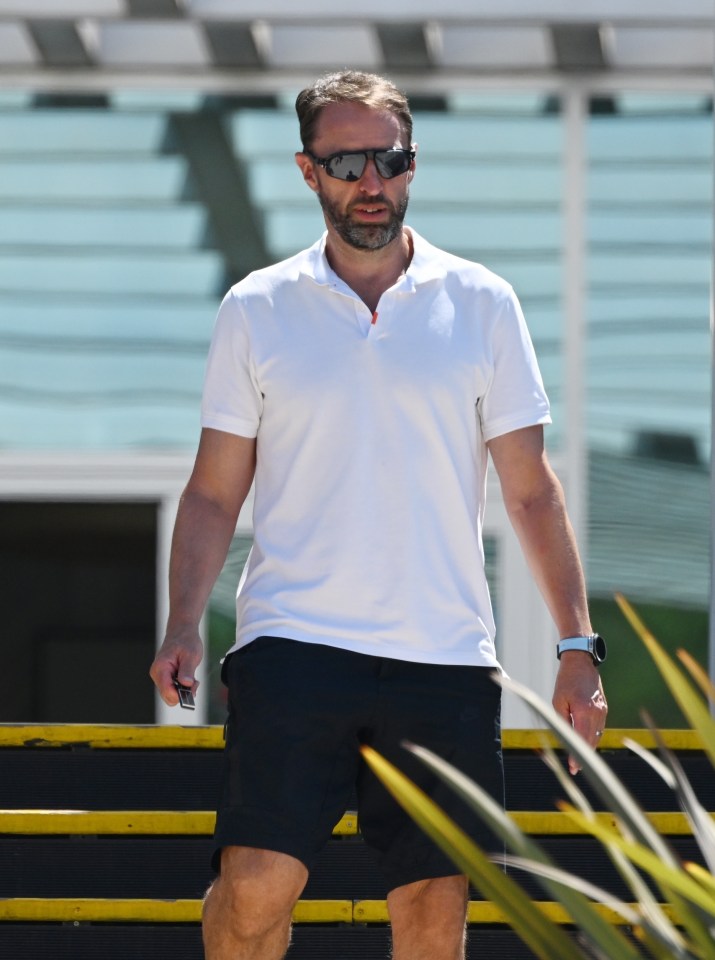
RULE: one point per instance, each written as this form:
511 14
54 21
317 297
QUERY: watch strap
584 643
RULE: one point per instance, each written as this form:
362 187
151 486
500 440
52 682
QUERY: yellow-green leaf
662 873
686 696
698 674
546 939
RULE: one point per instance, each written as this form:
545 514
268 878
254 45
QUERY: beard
366 236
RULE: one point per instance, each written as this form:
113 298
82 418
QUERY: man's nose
370 180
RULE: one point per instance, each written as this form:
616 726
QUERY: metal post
711 657
164 714
575 102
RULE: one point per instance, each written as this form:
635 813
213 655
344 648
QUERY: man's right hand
205 524
177 659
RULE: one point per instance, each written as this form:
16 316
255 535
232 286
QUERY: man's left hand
579 698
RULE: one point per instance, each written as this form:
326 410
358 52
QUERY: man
361 383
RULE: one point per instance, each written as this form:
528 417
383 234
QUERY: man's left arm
536 507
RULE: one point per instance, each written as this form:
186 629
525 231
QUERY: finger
589 724
574 764
186 673
168 691
585 723
593 741
187 679
562 708
163 673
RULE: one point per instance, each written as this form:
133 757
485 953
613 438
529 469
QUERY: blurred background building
146 163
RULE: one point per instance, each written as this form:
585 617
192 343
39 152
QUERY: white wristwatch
593 644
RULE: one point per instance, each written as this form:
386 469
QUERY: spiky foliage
671 913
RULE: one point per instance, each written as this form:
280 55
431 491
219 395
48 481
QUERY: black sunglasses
351 165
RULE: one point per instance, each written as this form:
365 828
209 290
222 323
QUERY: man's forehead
357 125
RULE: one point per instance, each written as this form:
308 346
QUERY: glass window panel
648 373
109 279
102 230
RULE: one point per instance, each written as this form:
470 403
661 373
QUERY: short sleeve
515 396
232 399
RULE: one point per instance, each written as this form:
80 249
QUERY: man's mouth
370 211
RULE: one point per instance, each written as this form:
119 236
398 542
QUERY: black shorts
298 713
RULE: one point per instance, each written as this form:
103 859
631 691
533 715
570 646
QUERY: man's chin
370 236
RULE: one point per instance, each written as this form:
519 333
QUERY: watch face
599 648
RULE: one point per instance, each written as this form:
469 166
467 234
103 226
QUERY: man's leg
247 911
428 919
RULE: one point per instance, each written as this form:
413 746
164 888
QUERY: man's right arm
205 524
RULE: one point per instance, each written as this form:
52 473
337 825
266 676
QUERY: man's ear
307 168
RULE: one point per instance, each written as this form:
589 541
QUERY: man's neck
370 272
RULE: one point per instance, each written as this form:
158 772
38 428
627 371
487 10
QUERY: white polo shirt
371 458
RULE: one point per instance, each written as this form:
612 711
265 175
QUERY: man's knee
428 918
437 893
256 891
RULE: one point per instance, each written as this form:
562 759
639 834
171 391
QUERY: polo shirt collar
426 263
315 263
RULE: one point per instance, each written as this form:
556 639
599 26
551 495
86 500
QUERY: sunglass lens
391 163
347 166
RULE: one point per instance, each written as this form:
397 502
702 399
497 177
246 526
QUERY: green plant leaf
685 695
605 783
675 878
701 875
659 932
683 927
588 889
595 928
619 801
698 714
547 940
671 947
699 818
698 674
648 757
691 904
